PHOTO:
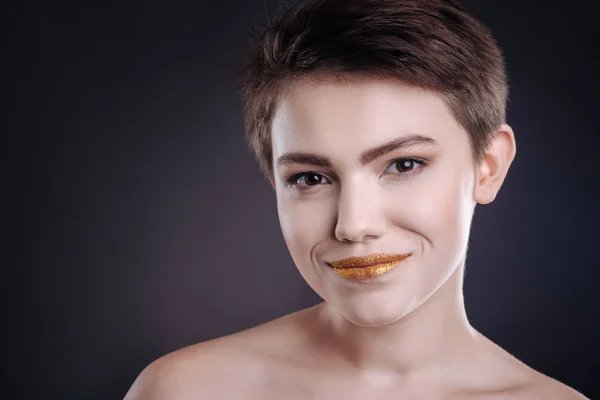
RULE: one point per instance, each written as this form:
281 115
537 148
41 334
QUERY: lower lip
365 273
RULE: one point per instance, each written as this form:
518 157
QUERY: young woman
380 125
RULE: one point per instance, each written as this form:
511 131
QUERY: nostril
355 235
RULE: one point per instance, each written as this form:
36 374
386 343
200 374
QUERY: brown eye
312 179
307 179
405 165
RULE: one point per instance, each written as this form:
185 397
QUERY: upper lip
366 261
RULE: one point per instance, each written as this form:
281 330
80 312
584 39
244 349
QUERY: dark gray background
138 222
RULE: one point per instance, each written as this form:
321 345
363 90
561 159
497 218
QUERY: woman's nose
360 216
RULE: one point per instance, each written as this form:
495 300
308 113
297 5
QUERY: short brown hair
431 44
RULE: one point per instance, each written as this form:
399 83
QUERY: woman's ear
494 165
271 178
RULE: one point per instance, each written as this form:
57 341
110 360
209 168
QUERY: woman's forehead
326 114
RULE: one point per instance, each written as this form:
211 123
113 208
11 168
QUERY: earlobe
494 165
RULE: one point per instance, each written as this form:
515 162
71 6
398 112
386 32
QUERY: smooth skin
362 168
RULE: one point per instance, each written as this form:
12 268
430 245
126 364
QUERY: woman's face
337 197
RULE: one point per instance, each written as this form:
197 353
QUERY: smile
363 268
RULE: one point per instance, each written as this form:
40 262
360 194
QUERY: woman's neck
430 339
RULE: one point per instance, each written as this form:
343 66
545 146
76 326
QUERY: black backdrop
126 173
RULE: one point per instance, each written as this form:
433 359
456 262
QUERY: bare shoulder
225 367
506 377
544 387
189 372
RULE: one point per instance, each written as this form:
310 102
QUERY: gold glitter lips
362 268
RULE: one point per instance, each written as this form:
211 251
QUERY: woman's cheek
447 217
432 208
303 224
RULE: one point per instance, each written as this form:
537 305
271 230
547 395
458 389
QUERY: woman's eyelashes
406 166
307 179
402 167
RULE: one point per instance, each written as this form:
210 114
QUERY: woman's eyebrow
398 143
366 157
303 158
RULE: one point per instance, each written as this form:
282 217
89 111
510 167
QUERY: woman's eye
307 179
405 165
